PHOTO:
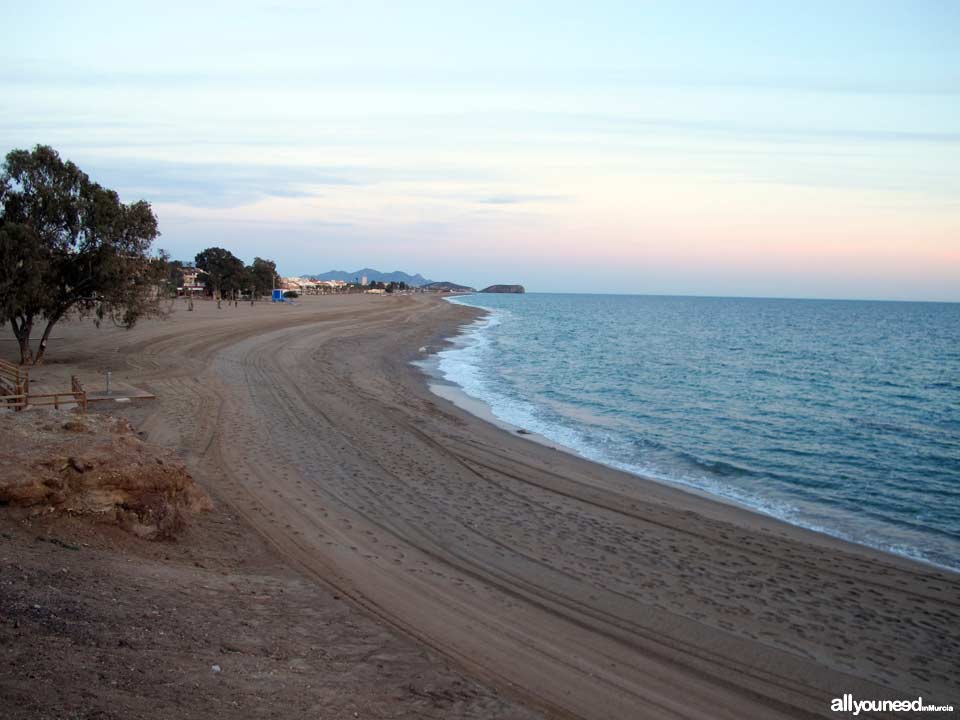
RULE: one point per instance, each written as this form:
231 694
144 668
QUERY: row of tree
227 276
388 287
68 246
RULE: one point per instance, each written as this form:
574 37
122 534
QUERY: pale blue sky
739 148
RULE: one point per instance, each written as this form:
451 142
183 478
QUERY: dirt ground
96 623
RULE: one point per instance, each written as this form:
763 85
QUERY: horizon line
732 297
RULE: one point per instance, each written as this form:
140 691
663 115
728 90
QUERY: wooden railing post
20 377
78 392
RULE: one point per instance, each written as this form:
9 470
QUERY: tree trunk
22 329
43 341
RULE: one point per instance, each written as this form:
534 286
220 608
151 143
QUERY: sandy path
585 591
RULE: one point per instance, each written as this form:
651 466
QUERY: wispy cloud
627 124
17 72
215 184
508 199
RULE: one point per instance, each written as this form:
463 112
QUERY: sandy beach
571 589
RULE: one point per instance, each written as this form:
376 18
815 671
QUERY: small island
517 289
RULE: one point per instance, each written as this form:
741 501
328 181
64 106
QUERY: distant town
195 280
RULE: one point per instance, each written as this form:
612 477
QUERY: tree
225 271
22 270
175 273
263 276
69 246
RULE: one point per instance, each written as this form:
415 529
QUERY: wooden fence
15 375
77 396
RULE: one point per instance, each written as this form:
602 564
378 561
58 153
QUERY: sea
838 416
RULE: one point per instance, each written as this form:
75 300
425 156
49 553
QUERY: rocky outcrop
504 289
94 465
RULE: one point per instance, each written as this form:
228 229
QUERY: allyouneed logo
848 704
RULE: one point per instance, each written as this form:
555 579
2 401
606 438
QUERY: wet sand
576 589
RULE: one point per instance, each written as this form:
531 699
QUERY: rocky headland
515 289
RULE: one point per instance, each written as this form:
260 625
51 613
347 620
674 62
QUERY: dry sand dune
578 589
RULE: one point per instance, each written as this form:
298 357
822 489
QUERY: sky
707 148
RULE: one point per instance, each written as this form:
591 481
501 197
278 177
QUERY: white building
291 283
193 284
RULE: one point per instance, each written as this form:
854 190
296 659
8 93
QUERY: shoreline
569 586
459 397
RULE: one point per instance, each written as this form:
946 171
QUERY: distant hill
447 287
504 289
372 275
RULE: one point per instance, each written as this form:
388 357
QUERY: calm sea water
840 416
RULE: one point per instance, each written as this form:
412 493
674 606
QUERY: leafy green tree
225 271
23 268
263 276
175 273
69 246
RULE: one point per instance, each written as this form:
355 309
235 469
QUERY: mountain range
372 275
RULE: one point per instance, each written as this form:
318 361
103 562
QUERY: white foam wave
469 364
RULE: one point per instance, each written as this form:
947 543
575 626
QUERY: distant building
328 286
363 280
193 284
309 286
